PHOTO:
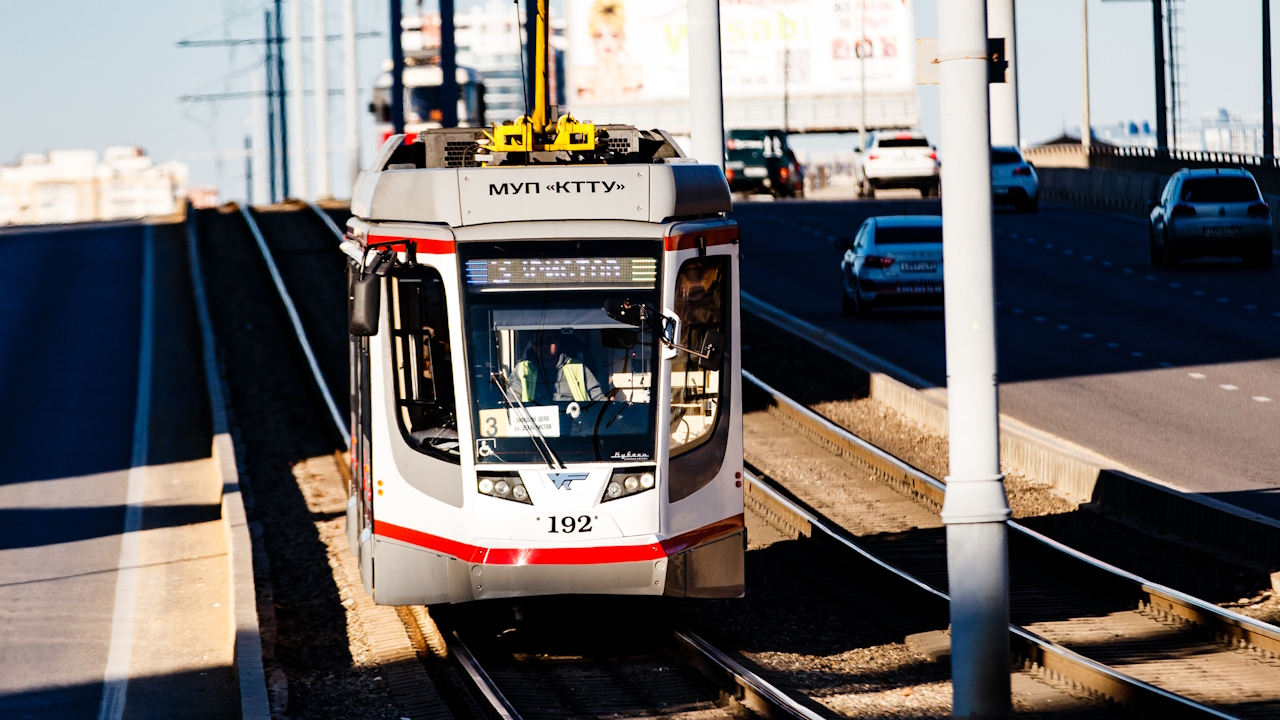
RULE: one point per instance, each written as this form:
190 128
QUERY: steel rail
499 705
1120 687
296 321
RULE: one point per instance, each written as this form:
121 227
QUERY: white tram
546 387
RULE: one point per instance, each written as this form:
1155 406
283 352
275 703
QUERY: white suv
896 159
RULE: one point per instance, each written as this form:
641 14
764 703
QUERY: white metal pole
1086 129
975 508
351 89
1004 96
706 100
319 50
299 104
861 52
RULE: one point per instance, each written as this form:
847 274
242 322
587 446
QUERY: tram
545 383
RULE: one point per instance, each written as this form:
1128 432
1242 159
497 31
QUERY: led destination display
566 273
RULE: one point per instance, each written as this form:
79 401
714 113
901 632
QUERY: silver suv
1210 213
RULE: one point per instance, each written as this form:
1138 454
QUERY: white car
1213 212
896 159
893 260
1013 180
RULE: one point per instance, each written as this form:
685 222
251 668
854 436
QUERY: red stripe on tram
425 246
559 556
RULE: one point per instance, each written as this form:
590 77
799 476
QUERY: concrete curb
1074 471
251 684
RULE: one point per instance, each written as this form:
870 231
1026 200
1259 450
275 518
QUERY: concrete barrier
251 684
1073 471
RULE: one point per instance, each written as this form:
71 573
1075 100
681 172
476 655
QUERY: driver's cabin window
701 303
421 350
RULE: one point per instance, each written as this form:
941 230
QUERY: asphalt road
1173 373
70 352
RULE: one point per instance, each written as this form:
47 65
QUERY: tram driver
553 370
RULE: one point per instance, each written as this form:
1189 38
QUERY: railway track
670 670
1148 648
1139 644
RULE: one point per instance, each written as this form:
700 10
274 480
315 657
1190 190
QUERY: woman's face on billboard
608 42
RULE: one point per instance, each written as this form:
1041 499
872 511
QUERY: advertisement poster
635 52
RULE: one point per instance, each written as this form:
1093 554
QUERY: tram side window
421 353
702 289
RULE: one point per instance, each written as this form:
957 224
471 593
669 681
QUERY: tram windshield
553 378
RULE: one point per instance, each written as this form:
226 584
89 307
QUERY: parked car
1210 213
1014 180
896 159
759 161
893 260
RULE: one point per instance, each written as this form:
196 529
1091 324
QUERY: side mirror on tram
363 304
712 352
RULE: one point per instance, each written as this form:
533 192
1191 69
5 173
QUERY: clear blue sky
80 74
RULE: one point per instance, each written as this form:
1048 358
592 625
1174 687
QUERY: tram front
546 386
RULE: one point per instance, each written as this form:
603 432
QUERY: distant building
65 186
1224 132
1132 133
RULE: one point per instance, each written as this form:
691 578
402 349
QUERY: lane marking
1128 271
1175 286
1018 311
1197 376
1228 387
1224 300
1151 277
1136 354
115 684
1048 246
1039 319
1198 293
1068 252
1261 398
1113 344
1165 364
1250 307
1086 336
1064 327
1106 263
1087 258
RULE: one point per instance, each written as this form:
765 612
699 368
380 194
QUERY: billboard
794 61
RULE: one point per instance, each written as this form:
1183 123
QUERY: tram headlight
626 482
503 486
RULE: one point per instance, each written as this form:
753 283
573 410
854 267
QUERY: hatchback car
1013 180
1210 213
759 161
893 260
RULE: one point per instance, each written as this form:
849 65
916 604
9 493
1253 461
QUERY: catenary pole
280 103
397 66
1268 121
248 170
299 102
975 508
1162 108
351 89
1004 96
321 83
269 66
448 67
706 99
1086 127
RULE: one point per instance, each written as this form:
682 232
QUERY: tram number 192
570 524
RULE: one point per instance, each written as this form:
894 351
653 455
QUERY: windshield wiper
549 456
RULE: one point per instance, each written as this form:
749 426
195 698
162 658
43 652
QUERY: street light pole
351 88
706 99
299 102
448 67
1086 129
1268 128
975 508
319 62
397 66
1162 109
1004 96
